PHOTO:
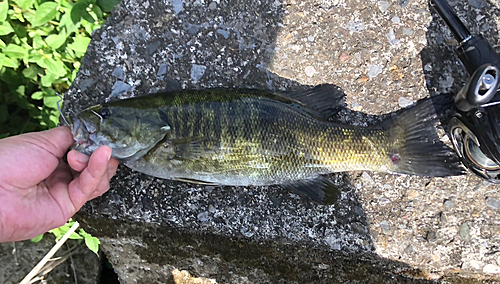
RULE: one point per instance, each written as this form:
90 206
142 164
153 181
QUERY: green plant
91 241
41 45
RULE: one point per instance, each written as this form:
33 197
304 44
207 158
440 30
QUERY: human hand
38 190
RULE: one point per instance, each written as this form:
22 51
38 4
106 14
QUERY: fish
243 137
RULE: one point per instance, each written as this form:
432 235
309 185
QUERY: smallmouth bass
253 137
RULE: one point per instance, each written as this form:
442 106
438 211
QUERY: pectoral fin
191 148
319 190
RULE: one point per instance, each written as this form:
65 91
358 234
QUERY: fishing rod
475 127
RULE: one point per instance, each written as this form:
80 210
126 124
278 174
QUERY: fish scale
267 141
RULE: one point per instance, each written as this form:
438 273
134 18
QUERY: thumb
82 189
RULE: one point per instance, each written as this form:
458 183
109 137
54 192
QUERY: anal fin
318 189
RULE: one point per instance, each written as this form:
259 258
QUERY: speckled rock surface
385 55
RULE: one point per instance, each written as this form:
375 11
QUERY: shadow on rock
236 259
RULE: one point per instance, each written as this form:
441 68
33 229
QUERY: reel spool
475 129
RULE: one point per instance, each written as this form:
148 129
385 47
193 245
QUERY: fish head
130 132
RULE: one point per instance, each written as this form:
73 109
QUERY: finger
104 185
61 175
111 170
112 167
56 140
82 188
57 185
77 160
102 188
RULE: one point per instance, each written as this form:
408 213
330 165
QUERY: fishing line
97 115
59 108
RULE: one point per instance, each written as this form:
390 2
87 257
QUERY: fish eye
104 112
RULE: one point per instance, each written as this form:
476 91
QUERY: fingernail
109 156
82 158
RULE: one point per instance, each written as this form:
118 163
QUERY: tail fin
417 147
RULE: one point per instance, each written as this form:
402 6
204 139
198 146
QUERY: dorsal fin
326 99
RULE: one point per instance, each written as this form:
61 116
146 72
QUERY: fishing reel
475 127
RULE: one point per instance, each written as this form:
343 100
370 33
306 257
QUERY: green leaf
15 51
18 14
7 62
57 232
80 44
51 101
51 92
107 5
12 63
25 4
37 239
89 26
37 95
69 53
56 40
31 72
38 42
11 78
5 28
92 243
55 67
73 236
69 23
97 11
79 12
67 4
4 8
61 231
45 12
2 44
4 113
29 15
20 31
73 75
36 56
20 91
48 79
54 118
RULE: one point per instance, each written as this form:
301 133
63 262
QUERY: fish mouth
80 133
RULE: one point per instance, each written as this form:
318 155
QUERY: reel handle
480 89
